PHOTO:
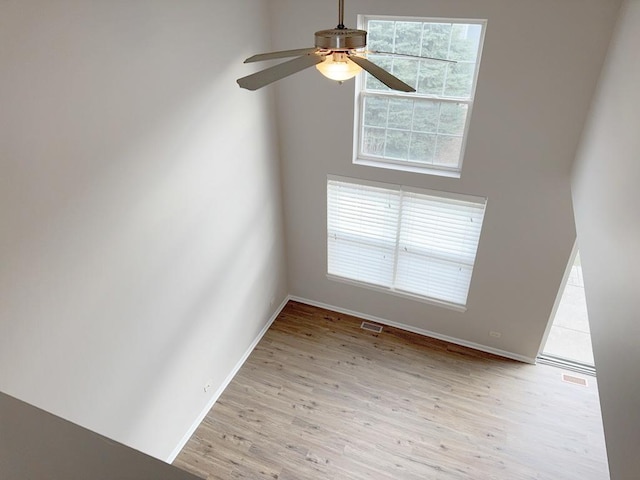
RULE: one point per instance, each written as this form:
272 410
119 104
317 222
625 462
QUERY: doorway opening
567 341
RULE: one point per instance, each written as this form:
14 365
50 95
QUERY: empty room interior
187 256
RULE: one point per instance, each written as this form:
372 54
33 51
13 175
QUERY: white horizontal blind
437 246
418 243
362 224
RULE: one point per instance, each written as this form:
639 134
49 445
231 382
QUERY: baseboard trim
419 331
565 364
224 385
364 316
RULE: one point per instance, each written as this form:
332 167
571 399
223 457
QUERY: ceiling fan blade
378 52
277 72
385 77
281 54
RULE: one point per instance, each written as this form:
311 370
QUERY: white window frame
403 190
360 93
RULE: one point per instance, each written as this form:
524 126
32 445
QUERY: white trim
411 18
388 164
224 385
446 194
419 331
360 158
476 346
371 231
398 293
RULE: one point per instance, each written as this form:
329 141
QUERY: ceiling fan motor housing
341 39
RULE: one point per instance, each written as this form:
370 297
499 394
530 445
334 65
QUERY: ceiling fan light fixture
338 67
338 54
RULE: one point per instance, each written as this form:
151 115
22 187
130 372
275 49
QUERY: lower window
406 241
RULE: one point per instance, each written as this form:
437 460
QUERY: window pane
459 80
397 144
465 40
380 35
375 111
406 69
408 36
452 118
432 77
373 141
422 148
425 116
417 130
400 113
448 150
383 61
435 40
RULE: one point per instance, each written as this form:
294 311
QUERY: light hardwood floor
320 398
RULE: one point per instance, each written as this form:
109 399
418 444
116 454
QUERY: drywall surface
539 69
36 445
606 199
141 239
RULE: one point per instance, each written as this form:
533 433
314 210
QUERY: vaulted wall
538 71
606 199
141 244
141 240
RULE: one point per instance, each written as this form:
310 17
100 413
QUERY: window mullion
446 71
416 96
419 61
435 147
399 223
386 130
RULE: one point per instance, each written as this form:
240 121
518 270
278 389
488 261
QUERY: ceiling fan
338 55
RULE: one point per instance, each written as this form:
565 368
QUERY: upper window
402 240
423 131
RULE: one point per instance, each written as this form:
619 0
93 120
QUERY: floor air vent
575 380
372 327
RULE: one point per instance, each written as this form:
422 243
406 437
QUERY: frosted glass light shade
338 67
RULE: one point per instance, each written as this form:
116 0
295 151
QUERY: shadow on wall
31 435
140 210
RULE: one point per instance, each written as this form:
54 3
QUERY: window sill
402 167
397 293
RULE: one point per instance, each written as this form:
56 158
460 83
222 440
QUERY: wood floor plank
320 398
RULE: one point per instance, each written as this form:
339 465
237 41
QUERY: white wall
141 246
539 69
37 445
606 199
